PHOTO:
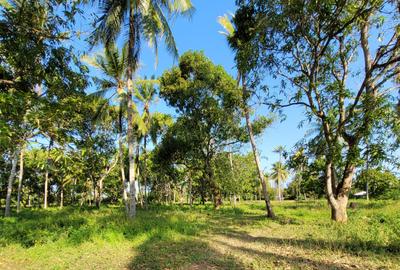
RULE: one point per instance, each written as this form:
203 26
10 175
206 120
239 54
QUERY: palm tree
280 174
279 150
234 41
144 20
145 94
113 66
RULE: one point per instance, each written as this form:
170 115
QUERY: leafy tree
207 99
315 59
38 72
237 39
381 183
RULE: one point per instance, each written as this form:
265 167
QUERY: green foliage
208 101
381 184
40 75
152 26
315 58
237 175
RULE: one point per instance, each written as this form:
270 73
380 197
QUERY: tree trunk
20 177
144 173
46 175
339 213
279 189
338 200
121 162
62 196
46 184
131 140
367 169
96 194
131 154
216 193
13 172
181 196
233 176
100 191
270 212
138 176
73 192
190 197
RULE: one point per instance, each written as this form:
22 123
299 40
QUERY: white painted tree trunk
131 154
13 172
46 185
20 178
62 196
121 163
46 175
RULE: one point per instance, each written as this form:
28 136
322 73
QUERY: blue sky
201 32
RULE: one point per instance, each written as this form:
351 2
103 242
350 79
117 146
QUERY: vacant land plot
178 237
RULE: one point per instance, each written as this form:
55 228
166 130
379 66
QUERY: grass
175 237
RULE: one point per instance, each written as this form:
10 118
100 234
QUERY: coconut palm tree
279 150
279 174
112 64
145 94
234 41
143 19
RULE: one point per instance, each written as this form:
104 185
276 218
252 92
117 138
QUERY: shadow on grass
166 232
282 261
159 252
355 247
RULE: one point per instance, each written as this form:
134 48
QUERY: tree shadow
160 252
353 246
284 261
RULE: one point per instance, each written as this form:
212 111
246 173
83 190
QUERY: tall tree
146 94
37 70
113 64
145 20
236 39
313 47
280 174
279 150
208 101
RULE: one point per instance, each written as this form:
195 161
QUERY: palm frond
181 7
165 30
91 60
226 23
108 25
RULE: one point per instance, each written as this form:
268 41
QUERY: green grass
176 237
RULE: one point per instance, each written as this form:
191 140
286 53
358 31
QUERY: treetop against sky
202 32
